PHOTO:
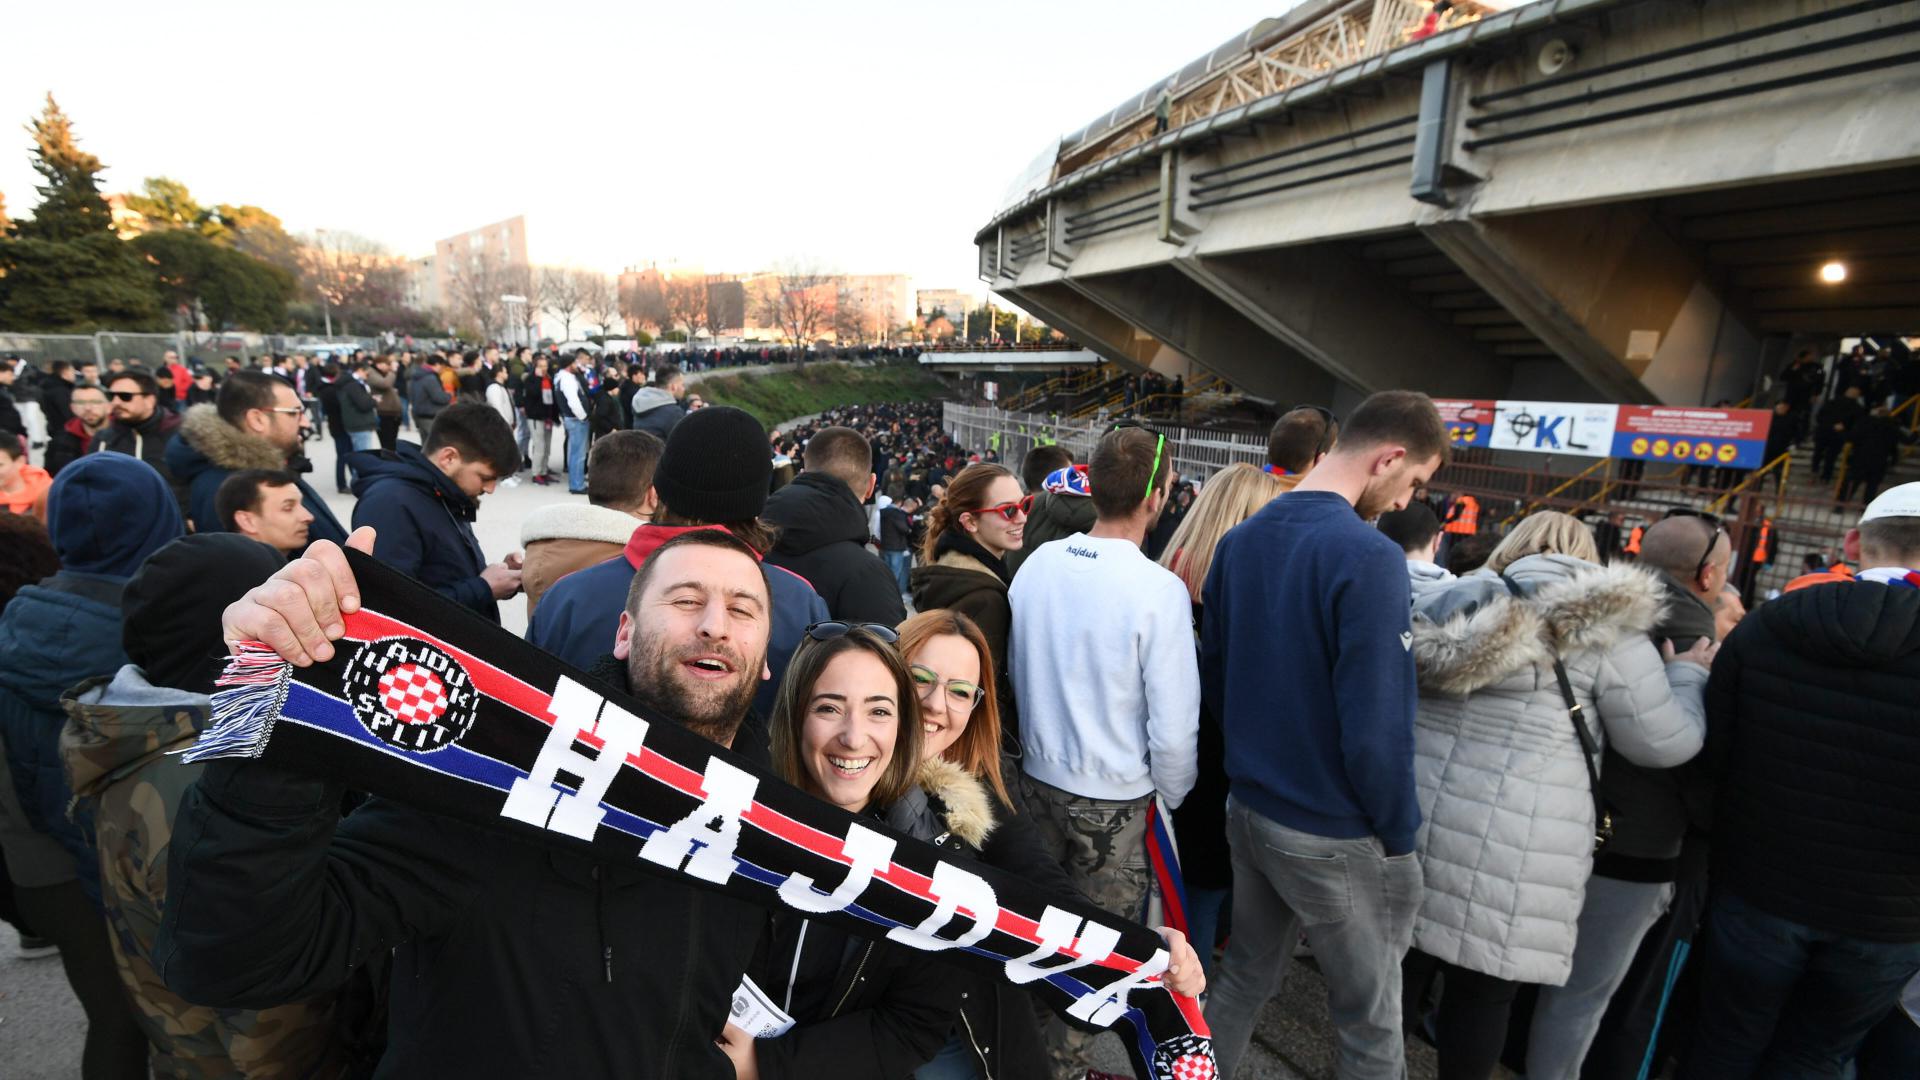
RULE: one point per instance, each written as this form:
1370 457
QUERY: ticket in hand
756 1014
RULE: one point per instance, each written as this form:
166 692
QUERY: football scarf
428 705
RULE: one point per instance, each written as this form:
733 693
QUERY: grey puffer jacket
1507 839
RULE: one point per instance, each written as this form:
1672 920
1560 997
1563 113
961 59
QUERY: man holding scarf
510 959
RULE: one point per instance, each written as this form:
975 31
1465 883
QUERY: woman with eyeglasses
1528 670
846 728
961 801
969 532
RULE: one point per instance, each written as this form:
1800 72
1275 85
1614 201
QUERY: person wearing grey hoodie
657 408
1417 531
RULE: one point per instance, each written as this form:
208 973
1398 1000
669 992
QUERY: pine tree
71 205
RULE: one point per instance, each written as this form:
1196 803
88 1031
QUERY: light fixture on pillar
1833 272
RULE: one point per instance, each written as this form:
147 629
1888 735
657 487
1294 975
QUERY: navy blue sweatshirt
1305 657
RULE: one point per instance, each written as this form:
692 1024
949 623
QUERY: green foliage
71 205
94 282
777 396
230 288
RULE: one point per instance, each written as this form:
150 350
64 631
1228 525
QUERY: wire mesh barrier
1197 453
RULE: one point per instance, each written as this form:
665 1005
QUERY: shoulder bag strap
1602 820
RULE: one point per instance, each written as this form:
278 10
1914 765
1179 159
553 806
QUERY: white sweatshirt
1105 671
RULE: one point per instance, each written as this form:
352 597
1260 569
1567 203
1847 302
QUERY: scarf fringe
244 714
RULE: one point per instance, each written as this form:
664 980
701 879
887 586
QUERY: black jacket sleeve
272 898
890 1033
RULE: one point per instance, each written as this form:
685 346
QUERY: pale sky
873 136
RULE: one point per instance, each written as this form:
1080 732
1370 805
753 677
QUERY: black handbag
1602 817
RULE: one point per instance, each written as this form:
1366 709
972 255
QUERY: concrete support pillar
1629 308
1328 306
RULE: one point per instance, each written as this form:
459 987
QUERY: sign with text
1467 420
1725 438
1584 429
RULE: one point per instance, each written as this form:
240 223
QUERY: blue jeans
364 440
576 455
1780 999
899 562
955 1061
342 446
1203 922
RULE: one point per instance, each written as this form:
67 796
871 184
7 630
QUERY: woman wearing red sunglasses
969 533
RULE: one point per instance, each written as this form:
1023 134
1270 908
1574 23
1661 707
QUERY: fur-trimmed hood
1473 633
226 446
573 521
966 810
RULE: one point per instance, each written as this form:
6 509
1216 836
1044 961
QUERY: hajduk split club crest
411 695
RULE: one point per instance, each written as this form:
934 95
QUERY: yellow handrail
1572 480
1784 463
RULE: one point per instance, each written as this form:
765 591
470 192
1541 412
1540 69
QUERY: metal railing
1197 453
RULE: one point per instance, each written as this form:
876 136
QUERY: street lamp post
509 302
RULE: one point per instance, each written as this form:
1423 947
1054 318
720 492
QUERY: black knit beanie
716 467
171 609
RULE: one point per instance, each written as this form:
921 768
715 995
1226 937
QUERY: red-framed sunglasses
1007 510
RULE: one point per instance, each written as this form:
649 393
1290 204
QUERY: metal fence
1197 452
149 349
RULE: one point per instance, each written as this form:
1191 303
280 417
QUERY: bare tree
686 302
801 302
643 303
561 289
598 301
476 287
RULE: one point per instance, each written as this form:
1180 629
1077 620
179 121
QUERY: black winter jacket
1815 750
146 440
423 523
425 394
959 813
509 959
1653 808
823 538
866 1009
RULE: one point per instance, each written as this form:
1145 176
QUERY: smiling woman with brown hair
969 532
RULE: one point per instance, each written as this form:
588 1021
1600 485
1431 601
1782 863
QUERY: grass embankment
777 396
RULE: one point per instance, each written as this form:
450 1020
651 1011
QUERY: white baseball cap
1902 501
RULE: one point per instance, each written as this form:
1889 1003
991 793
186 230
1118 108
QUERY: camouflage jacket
116 748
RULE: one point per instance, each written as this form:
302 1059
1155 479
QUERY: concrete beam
1088 323
1331 307
1598 284
1182 313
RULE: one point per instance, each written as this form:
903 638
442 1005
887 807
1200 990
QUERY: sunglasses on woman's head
827 631
1022 506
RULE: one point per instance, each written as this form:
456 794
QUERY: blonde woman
1233 495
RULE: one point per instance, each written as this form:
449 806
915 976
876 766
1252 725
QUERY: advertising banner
1583 429
1725 438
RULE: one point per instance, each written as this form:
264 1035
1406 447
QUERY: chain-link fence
1197 453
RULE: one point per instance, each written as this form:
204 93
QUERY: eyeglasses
827 631
1713 541
288 410
1007 510
962 694
126 395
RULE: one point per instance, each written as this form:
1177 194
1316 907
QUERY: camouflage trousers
1102 846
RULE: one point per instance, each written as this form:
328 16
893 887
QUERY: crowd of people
1516 795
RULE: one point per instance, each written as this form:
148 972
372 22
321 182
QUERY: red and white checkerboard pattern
1193 1067
412 694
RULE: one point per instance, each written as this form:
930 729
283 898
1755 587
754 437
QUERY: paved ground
41 1025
